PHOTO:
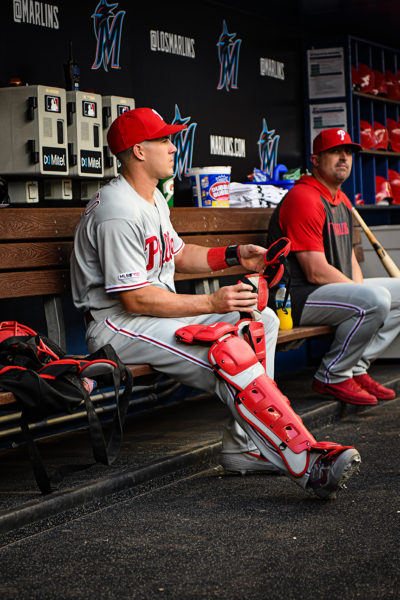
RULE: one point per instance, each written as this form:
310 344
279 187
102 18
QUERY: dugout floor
182 435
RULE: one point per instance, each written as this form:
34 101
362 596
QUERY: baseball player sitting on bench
125 255
327 285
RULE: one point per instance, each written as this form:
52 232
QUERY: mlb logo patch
132 275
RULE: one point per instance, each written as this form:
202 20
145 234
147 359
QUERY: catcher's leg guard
261 405
258 406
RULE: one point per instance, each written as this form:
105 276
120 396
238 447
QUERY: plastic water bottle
284 312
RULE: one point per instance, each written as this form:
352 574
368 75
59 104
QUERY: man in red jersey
327 286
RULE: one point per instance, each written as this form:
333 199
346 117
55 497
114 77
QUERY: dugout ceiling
231 70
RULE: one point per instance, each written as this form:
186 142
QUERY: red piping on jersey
178 249
125 288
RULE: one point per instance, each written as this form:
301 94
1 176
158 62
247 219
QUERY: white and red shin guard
258 405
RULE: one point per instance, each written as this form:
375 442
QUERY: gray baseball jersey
122 243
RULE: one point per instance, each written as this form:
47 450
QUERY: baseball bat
384 257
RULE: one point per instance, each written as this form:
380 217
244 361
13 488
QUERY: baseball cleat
331 471
375 388
246 462
347 391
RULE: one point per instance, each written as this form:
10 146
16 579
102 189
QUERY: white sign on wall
326 73
325 116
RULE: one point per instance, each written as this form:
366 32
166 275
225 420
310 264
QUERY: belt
88 317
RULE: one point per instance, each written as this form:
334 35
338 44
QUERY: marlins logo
268 149
228 54
108 30
184 141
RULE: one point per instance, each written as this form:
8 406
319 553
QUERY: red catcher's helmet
381 136
394 180
383 190
380 85
393 87
367 78
13 328
394 134
367 135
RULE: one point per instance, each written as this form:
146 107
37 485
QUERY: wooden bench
36 243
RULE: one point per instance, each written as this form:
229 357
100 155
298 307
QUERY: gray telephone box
33 126
85 134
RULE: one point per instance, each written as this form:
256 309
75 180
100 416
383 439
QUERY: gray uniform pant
152 340
367 320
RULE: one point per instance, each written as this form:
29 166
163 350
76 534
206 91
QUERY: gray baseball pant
152 340
367 320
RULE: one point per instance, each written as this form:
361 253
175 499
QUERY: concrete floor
183 435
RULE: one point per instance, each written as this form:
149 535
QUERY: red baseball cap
330 138
135 126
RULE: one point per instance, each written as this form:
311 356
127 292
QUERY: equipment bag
45 381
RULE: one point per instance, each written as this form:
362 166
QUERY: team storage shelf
359 106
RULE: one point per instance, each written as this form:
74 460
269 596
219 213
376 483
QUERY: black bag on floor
45 381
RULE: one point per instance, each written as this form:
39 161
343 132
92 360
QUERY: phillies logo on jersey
184 142
154 251
268 149
228 54
108 31
339 228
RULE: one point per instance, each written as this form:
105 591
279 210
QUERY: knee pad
204 334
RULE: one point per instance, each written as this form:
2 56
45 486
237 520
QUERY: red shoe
375 388
347 391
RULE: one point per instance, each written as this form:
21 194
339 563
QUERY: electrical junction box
33 127
88 188
22 192
85 134
57 189
113 107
